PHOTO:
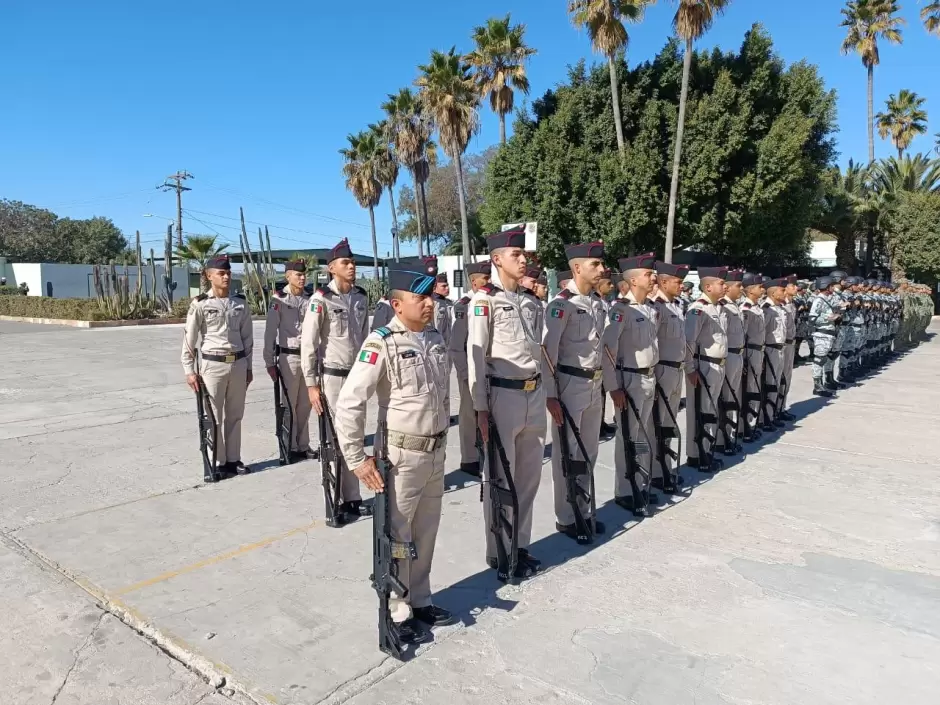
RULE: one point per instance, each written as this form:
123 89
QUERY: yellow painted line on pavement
240 551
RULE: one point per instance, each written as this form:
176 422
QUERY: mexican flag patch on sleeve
368 357
616 317
481 310
558 313
316 306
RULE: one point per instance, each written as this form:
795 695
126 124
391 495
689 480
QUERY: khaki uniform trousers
299 399
582 398
773 368
520 419
753 363
467 425
416 490
734 368
226 384
349 483
713 375
670 384
789 355
642 390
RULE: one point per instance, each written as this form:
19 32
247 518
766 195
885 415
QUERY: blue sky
107 97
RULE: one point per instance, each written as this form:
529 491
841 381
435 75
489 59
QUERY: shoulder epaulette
464 300
325 292
565 294
202 297
361 290
747 304
490 289
239 295
382 332
703 301
766 304
722 302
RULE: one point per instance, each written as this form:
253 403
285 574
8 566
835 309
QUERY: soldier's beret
610 273
479 268
870 283
735 275
764 280
751 279
340 250
533 272
562 276
220 262
586 250
508 238
822 283
791 279
406 276
639 262
441 276
780 281
672 270
713 272
543 279
297 265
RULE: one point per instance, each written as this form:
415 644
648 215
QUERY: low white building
77 281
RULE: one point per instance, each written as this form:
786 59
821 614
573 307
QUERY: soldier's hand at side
314 394
619 397
554 408
192 381
693 378
369 474
248 378
483 423
272 373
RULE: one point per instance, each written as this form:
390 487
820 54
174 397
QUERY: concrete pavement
806 572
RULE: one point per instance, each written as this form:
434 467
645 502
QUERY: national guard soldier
382 313
731 396
671 338
853 322
223 322
803 331
404 364
823 315
282 352
504 358
333 331
443 307
572 347
754 336
532 273
478 274
775 339
706 353
789 350
604 289
562 279
630 353
533 310
840 303
541 289
685 298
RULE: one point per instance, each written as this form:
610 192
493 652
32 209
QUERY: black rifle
504 529
673 481
706 460
766 387
283 416
731 441
386 552
208 433
331 465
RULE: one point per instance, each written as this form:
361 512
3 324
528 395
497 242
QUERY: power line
179 177
99 199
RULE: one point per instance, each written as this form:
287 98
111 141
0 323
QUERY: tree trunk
677 160
427 221
375 245
870 249
502 128
391 200
464 227
414 176
871 114
615 96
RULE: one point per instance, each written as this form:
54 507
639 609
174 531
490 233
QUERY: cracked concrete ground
807 572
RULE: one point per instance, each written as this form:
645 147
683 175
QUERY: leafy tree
93 241
197 250
931 17
914 240
869 21
361 170
499 64
904 119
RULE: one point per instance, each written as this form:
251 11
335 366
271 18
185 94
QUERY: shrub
9 291
73 309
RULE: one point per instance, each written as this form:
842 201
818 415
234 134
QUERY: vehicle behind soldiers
216 357
405 366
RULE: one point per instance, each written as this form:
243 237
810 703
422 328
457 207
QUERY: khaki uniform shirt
458 338
631 336
382 314
574 325
408 374
283 324
224 325
671 329
706 331
754 325
334 329
533 312
443 320
790 309
500 342
734 322
775 323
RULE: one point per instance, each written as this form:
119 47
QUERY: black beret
562 276
339 251
781 282
611 273
751 279
735 275
507 238
220 262
418 278
479 268
713 272
297 265
542 278
533 272
791 279
765 280
585 250
639 262
672 270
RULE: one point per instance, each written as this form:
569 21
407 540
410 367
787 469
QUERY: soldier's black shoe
787 416
411 631
628 504
608 429
471 468
528 558
434 616
571 530
731 450
820 391
779 423
357 508
523 570
236 467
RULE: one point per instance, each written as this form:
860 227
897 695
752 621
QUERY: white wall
25 272
823 254
76 281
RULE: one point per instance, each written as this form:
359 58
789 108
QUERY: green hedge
67 309
9 291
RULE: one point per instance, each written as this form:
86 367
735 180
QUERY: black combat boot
819 389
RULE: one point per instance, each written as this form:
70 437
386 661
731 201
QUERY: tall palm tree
387 169
931 17
198 250
499 59
915 174
693 19
604 20
450 98
868 21
361 171
407 133
904 119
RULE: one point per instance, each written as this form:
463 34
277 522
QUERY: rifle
208 433
630 448
732 442
386 552
283 416
331 465
662 446
500 498
766 387
701 419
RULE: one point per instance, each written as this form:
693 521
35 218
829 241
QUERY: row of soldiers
515 356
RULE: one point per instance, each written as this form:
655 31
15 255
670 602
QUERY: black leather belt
789 341
637 370
774 346
278 350
335 372
579 372
524 385
670 363
229 358
758 348
735 351
713 360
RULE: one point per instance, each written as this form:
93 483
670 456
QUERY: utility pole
178 178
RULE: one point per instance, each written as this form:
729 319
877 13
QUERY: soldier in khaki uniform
706 333
282 352
505 364
671 338
541 289
223 321
789 350
731 396
405 365
753 316
334 329
533 309
382 313
478 274
443 307
775 338
574 325
630 354
562 279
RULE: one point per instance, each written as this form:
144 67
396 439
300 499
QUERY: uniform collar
630 298
570 286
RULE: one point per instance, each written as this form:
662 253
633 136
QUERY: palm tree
904 119
499 60
450 98
198 250
937 147
604 20
361 172
387 169
406 131
867 22
692 20
931 17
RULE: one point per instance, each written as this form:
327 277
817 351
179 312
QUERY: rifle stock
208 433
330 465
502 498
283 416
